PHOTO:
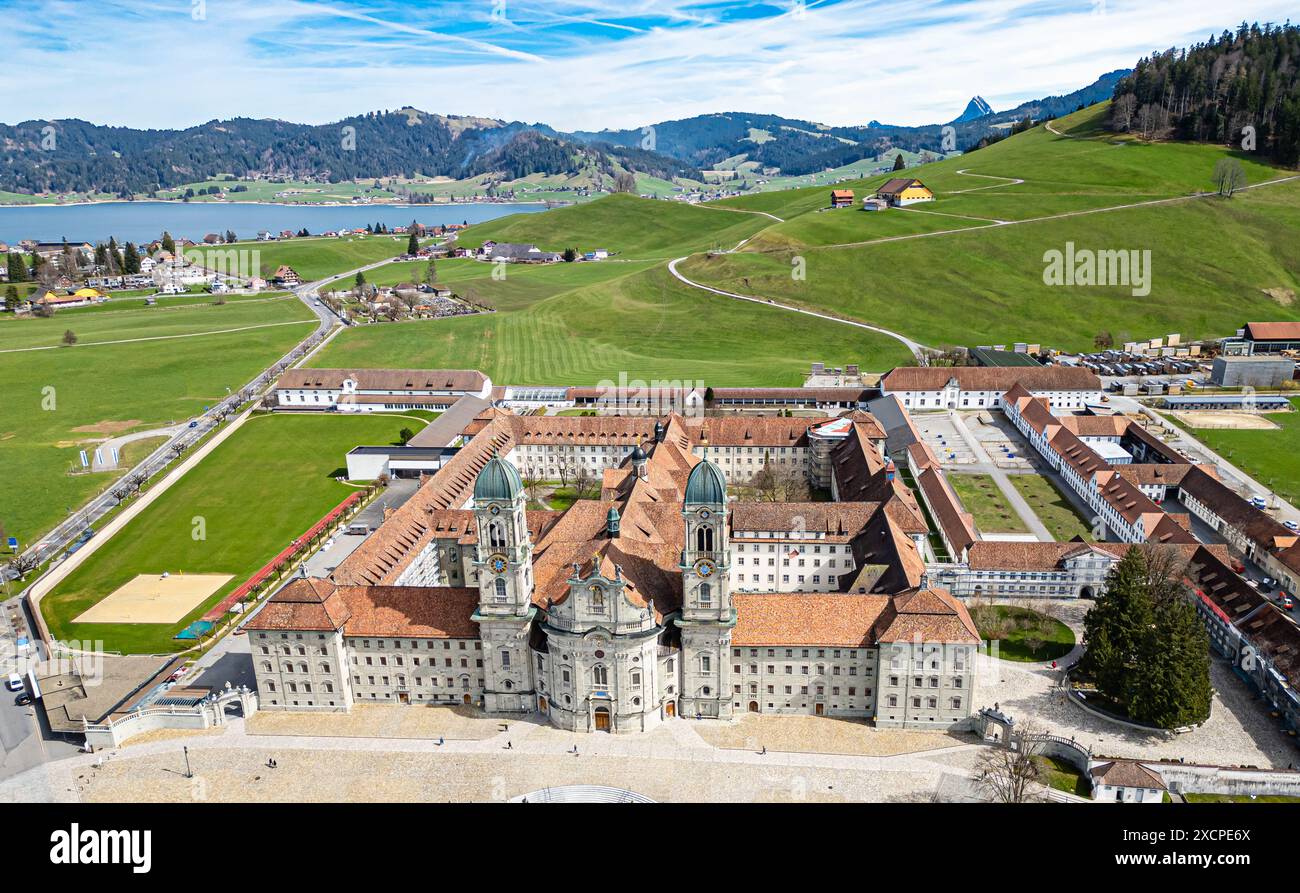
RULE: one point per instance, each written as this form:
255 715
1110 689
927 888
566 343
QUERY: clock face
705 569
706 514
496 509
497 563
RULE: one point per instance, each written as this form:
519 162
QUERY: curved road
917 349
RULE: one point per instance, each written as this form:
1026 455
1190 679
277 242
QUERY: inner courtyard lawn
1271 457
1023 634
60 401
982 498
269 482
1052 507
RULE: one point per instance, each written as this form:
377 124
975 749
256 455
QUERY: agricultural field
642 323
630 228
285 465
64 399
288 193
316 258
991 267
982 498
1269 456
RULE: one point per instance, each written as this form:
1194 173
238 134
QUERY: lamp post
188 773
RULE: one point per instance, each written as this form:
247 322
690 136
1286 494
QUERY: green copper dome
499 480
706 485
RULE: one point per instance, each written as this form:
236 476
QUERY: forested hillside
1215 90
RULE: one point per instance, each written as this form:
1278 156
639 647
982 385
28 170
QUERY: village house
902 191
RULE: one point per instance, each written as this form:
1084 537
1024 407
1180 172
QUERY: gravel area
1239 731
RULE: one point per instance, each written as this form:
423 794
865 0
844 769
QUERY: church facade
628 609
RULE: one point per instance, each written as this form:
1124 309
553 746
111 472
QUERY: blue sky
574 64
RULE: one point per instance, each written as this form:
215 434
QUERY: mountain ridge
72 155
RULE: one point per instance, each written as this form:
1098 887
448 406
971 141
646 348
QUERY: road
915 347
1230 474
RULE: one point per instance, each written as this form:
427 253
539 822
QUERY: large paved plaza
673 763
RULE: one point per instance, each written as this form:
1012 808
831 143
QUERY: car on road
194 424
14 683
1291 525
23 699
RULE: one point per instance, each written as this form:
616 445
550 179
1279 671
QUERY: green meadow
294 457
634 319
968 267
63 399
317 257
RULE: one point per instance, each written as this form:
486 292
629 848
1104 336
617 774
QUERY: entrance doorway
821 709
404 697
753 706
671 708
541 704
602 719
467 700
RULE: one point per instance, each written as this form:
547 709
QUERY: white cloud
577 64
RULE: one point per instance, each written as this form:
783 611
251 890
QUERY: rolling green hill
636 228
630 318
968 267
964 269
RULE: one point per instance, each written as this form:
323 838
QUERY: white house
1126 781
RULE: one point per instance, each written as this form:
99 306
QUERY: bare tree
1228 176
583 481
1010 774
1122 112
533 487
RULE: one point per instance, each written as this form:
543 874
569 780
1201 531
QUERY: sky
574 64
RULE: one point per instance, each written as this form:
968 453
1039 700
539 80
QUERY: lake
145 221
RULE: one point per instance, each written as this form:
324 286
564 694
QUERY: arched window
501 589
496 535
266 666
706 593
599 676
704 538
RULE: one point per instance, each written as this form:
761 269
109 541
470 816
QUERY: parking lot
1002 444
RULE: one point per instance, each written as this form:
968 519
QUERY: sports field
154 598
244 503
1271 457
63 399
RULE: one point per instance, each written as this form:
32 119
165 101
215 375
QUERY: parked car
1291 525
23 699
14 683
